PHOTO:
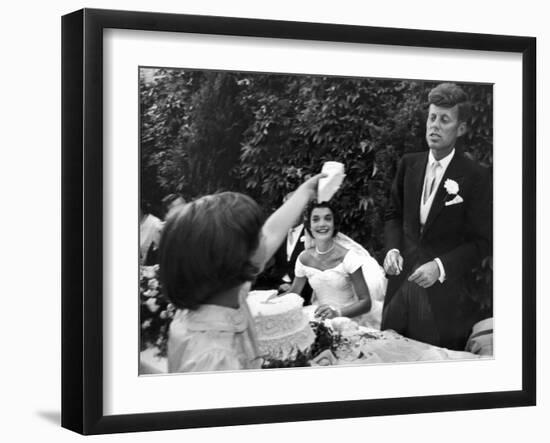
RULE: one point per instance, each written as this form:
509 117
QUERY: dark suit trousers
430 315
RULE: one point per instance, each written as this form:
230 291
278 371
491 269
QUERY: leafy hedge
262 134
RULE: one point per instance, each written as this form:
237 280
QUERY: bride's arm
300 277
298 285
363 305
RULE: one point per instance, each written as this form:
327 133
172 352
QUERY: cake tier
269 303
277 316
280 325
286 347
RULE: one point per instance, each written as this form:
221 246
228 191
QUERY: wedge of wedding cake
282 328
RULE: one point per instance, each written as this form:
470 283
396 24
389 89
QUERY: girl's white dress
212 338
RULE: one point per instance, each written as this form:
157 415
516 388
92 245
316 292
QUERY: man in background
438 228
279 272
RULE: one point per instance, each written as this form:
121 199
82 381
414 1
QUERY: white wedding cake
282 328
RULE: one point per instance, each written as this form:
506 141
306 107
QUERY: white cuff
441 270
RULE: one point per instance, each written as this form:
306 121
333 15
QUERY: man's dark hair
448 95
206 247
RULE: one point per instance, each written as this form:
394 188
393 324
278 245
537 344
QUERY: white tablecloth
363 346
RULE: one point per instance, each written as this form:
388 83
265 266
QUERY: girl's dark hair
314 205
206 247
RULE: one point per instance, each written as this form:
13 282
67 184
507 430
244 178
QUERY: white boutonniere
452 189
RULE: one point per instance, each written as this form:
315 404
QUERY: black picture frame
82 218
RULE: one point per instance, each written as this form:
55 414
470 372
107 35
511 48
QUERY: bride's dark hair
314 205
206 247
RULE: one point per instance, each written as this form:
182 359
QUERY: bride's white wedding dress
333 286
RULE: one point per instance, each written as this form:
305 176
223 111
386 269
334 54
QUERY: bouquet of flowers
156 312
336 340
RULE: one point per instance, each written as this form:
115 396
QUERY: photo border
82 220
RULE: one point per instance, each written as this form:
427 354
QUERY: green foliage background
263 134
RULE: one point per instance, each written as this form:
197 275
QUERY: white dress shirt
292 239
439 173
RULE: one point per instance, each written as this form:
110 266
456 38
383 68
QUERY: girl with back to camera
210 251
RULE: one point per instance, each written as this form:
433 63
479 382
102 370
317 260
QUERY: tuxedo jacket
281 265
285 266
459 234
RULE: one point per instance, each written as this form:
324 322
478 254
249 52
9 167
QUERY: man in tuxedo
438 227
285 261
279 272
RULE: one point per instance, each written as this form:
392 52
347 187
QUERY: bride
346 280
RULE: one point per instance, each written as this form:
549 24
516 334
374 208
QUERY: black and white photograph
222 223
293 221
289 221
